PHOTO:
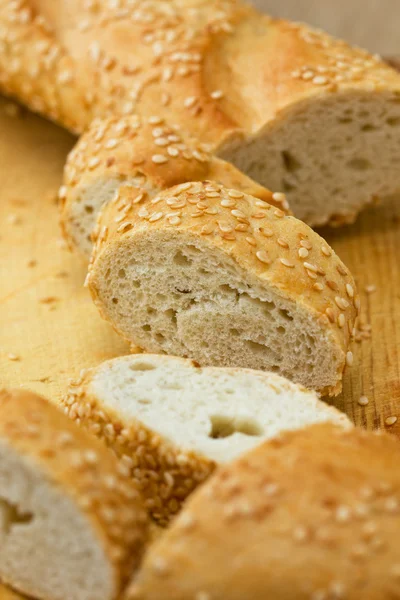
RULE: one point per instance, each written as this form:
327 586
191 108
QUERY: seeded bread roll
226 279
293 108
146 154
72 525
171 422
310 515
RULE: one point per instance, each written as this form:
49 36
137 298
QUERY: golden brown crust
310 515
164 473
272 248
84 469
150 154
190 63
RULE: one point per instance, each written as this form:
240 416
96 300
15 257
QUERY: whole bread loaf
172 422
226 279
296 110
72 524
311 514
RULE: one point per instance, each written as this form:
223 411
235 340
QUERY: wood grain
50 330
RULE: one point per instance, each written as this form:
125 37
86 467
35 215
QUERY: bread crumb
49 299
31 263
370 289
13 357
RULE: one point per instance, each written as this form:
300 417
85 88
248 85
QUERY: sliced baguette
72 524
172 422
228 280
313 514
149 156
293 108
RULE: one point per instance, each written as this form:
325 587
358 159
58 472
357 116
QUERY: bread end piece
311 514
72 525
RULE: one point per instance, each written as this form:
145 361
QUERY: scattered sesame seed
363 401
349 358
13 357
320 80
341 320
217 94
370 289
390 421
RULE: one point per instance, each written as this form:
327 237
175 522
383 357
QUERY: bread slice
172 421
149 156
72 525
228 280
295 109
311 514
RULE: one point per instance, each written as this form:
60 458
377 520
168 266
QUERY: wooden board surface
50 330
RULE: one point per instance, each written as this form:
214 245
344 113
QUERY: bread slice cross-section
172 422
72 524
219 276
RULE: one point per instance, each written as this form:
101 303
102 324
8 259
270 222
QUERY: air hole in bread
281 329
122 273
286 186
146 327
141 366
144 401
89 209
223 427
360 164
345 121
290 162
234 332
171 314
183 291
182 260
160 338
115 300
11 515
256 347
368 127
285 314
393 121
136 283
150 311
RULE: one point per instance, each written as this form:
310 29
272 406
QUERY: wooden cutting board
50 330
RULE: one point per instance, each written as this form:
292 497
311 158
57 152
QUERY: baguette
72 525
226 279
313 514
149 156
173 422
295 109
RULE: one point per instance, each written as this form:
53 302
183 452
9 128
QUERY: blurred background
372 24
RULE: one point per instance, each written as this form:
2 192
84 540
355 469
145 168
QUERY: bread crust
87 472
311 514
273 249
148 154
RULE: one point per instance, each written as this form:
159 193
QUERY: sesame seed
226 203
342 514
303 253
330 314
282 243
349 358
370 289
300 534
174 220
310 267
320 80
392 505
318 287
349 290
341 303
173 152
159 159
287 263
325 250
13 357
93 162
189 101
341 320
238 214
155 120
111 143
263 257
363 401
217 94
306 244
279 213
279 197
390 421
266 232
235 194
160 566
156 217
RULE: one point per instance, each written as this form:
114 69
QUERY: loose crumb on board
363 401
